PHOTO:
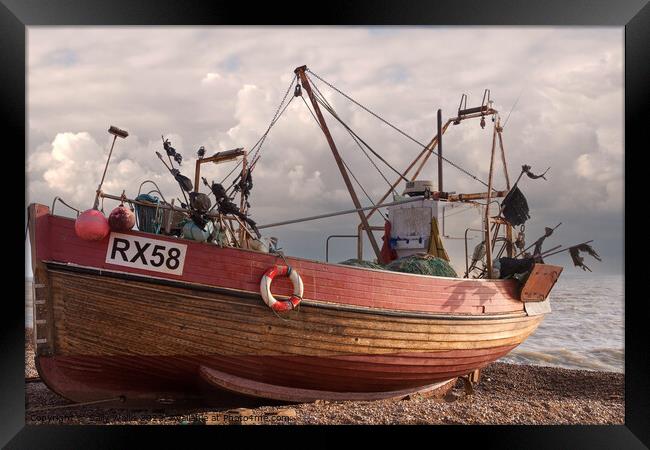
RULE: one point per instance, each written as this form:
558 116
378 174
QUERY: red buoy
121 219
91 225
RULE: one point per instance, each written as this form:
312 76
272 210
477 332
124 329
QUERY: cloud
220 87
304 188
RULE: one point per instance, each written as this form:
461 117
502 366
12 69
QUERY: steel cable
397 129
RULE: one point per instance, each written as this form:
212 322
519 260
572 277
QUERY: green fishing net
423 264
361 263
420 263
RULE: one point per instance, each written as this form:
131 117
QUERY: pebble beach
506 394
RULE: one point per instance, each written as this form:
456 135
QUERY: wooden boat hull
109 332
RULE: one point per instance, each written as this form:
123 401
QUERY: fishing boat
140 316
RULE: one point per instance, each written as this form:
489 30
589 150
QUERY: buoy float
121 219
265 288
194 232
91 225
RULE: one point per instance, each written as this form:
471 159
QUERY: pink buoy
121 219
91 225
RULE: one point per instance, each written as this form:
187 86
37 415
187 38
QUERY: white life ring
265 288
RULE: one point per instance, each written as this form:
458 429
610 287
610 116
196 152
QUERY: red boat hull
112 331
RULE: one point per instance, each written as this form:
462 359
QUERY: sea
585 329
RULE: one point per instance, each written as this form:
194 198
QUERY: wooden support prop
426 152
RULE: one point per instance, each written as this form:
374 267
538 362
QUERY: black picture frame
634 15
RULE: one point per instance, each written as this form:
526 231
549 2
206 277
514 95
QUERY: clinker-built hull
107 330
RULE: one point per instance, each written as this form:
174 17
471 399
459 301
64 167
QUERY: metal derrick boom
464 113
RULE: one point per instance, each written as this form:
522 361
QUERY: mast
300 71
439 150
488 241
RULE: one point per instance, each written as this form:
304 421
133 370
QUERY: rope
280 253
397 129
121 398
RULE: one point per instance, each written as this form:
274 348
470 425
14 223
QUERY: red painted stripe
242 270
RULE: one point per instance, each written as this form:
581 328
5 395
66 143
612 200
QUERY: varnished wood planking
199 324
140 337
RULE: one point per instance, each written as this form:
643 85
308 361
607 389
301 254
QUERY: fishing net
423 264
361 263
420 263
515 207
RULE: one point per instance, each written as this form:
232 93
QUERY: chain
275 118
397 129
258 145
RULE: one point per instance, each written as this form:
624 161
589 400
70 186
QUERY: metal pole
197 172
426 157
327 243
426 152
439 150
99 188
509 245
360 242
466 253
488 243
338 213
300 71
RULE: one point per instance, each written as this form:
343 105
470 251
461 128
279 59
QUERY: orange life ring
265 288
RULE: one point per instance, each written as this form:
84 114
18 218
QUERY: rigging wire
373 163
354 137
358 141
345 164
261 140
258 154
258 145
320 98
513 107
397 129
361 187
323 101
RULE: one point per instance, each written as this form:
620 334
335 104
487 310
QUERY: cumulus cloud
219 87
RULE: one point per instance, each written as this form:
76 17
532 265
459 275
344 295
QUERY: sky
560 89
